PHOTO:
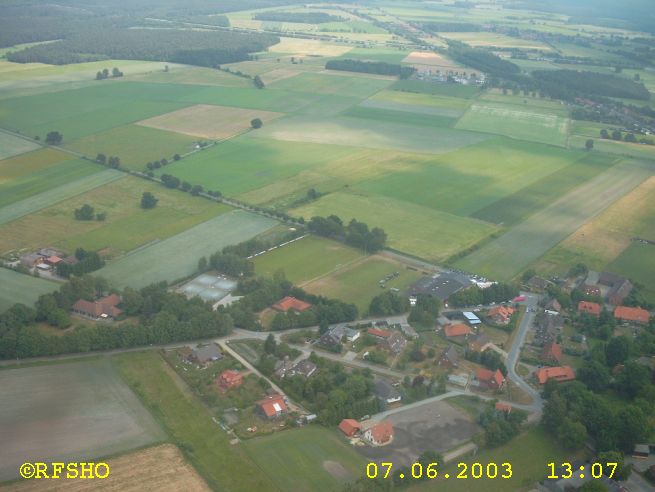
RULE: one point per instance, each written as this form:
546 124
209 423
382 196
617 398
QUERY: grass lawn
306 259
529 455
135 145
178 256
301 459
127 226
17 287
358 283
189 424
411 228
637 262
11 146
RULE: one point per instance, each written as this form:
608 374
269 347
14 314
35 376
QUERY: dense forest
204 48
379 68
563 84
302 17
481 60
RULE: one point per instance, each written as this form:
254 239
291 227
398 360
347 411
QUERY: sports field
126 227
306 259
308 459
177 257
17 287
512 252
11 145
358 282
67 411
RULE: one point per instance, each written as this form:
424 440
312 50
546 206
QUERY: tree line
474 295
379 68
355 233
301 17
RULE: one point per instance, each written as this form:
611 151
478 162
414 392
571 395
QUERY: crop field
36 194
525 123
135 145
308 47
418 103
601 240
207 121
637 262
376 54
400 116
327 83
307 459
306 259
368 133
67 411
183 74
126 227
28 163
177 256
358 282
11 145
441 234
505 257
635 150
160 468
17 287
494 39
430 58
244 163
449 90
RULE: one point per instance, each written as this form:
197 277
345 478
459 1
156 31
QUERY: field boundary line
337 269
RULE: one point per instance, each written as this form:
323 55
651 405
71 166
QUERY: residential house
408 331
490 379
272 406
501 315
385 392
631 314
380 434
335 335
30 260
538 283
350 427
290 303
456 331
449 358
619 287
559 374
377 333
303 368
53 261
503 407
229 379
553 305
283 367
552 353
204 354
479 342
395 344
592 308
548 327
102 309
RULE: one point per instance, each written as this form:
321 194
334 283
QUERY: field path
508 255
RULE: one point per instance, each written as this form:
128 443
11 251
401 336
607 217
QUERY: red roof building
350 427
458 330
552 353
380 434
272 406
632 314
53 260
559 374
501 314
592 308
291 303
379 333
230 379
104 308
491 379
503 407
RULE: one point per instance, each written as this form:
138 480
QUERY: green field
521 122
637 263
375 54
449 90
17 287
400 116
297 459
359 283
30 162
189 424
36 194
410 228
136 145
343 85
638 151
126 227
306 259
11 145
420 103
177 256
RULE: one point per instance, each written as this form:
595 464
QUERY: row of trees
499 426
379 68
104 74
473 296
629 137
301 17
355 233
87 212
87 262
111 161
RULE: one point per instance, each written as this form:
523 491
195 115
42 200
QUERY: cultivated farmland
11 145
69 411
16 287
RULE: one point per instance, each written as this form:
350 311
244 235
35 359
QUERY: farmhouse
559 374
458 330
381 334
395 344
30 260
229 379
204 354
272 406
291 304
350 427
479 343
104 308
619 287
303 368
380 434
449 358
592 308
385 392
552 353
631 314
490 379
501 315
